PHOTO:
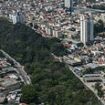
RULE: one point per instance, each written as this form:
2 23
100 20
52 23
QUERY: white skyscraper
87 28
68 3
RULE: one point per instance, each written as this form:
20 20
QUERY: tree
29 94
99 27
58 49
100 93
98 87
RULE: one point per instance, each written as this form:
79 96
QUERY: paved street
23 75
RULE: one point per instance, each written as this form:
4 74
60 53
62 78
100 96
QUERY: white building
92 77
68 3
86 28
17 17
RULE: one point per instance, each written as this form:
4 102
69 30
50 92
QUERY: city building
69 4
86 28
2 98
17 17
92 77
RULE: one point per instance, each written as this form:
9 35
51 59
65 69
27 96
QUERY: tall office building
68 4
87 28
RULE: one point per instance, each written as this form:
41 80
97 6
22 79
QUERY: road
23 75
89 9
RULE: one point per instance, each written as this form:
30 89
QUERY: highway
23 75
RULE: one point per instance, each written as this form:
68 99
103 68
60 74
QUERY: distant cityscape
73 22
52 21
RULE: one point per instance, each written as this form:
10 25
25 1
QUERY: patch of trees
99 27
98 87
101 7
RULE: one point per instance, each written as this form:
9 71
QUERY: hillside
52 82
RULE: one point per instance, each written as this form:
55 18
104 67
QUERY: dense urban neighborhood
52 52
11 79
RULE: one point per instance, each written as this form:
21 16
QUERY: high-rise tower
87 28
16 17
68 4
